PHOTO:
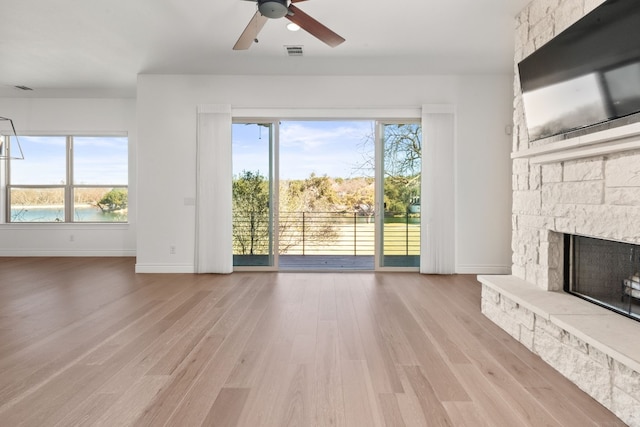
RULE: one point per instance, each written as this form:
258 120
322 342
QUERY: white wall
64 116
483 199
166 112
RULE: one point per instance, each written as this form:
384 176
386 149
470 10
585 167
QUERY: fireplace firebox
604 272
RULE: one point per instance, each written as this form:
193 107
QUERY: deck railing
328 233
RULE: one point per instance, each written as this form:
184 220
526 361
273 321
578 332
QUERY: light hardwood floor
86 341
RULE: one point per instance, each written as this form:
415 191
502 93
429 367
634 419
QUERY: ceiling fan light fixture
273 8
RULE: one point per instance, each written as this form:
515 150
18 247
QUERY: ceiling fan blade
313 27
251 32
296 1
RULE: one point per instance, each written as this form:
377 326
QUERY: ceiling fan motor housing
273 8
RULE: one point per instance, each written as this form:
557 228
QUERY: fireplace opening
604 272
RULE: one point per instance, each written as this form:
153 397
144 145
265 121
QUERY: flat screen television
587 75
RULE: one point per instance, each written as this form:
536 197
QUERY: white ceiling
84 47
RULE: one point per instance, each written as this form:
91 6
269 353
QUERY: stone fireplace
586 185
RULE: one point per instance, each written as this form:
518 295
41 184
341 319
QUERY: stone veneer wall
598 196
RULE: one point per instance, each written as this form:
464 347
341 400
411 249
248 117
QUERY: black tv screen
587 75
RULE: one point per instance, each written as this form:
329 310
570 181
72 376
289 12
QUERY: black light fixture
7 151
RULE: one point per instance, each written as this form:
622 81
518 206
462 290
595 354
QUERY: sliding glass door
339 195
399 172
253 194
326 194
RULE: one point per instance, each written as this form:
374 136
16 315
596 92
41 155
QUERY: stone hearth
595 348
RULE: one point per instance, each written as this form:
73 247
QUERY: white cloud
333 148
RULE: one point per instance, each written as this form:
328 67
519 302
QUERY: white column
214 174
437 241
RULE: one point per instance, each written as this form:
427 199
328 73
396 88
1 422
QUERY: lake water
56 214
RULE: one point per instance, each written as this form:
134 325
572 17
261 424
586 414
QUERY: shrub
114 200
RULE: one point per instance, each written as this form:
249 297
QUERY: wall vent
294 50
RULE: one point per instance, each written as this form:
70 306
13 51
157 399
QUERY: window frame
68 187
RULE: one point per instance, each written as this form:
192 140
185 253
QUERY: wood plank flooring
86 341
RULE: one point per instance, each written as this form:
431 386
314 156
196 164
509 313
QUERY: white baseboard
190 268
483 269
65 253
165 268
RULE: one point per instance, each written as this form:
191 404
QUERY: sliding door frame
380 116
379 193
274 193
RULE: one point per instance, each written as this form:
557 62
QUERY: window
68 179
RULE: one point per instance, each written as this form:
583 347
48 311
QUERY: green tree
402 150
313 197
313 194
400 192
402 153
114 200
356 195
319 194
251 213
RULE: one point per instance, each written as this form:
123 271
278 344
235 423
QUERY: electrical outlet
172 250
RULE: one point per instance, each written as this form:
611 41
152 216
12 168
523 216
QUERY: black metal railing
327 233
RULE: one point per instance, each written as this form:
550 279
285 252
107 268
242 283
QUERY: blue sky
97 160
334 148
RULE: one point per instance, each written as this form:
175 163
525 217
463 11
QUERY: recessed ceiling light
293 27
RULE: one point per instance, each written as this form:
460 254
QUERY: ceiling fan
275 9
